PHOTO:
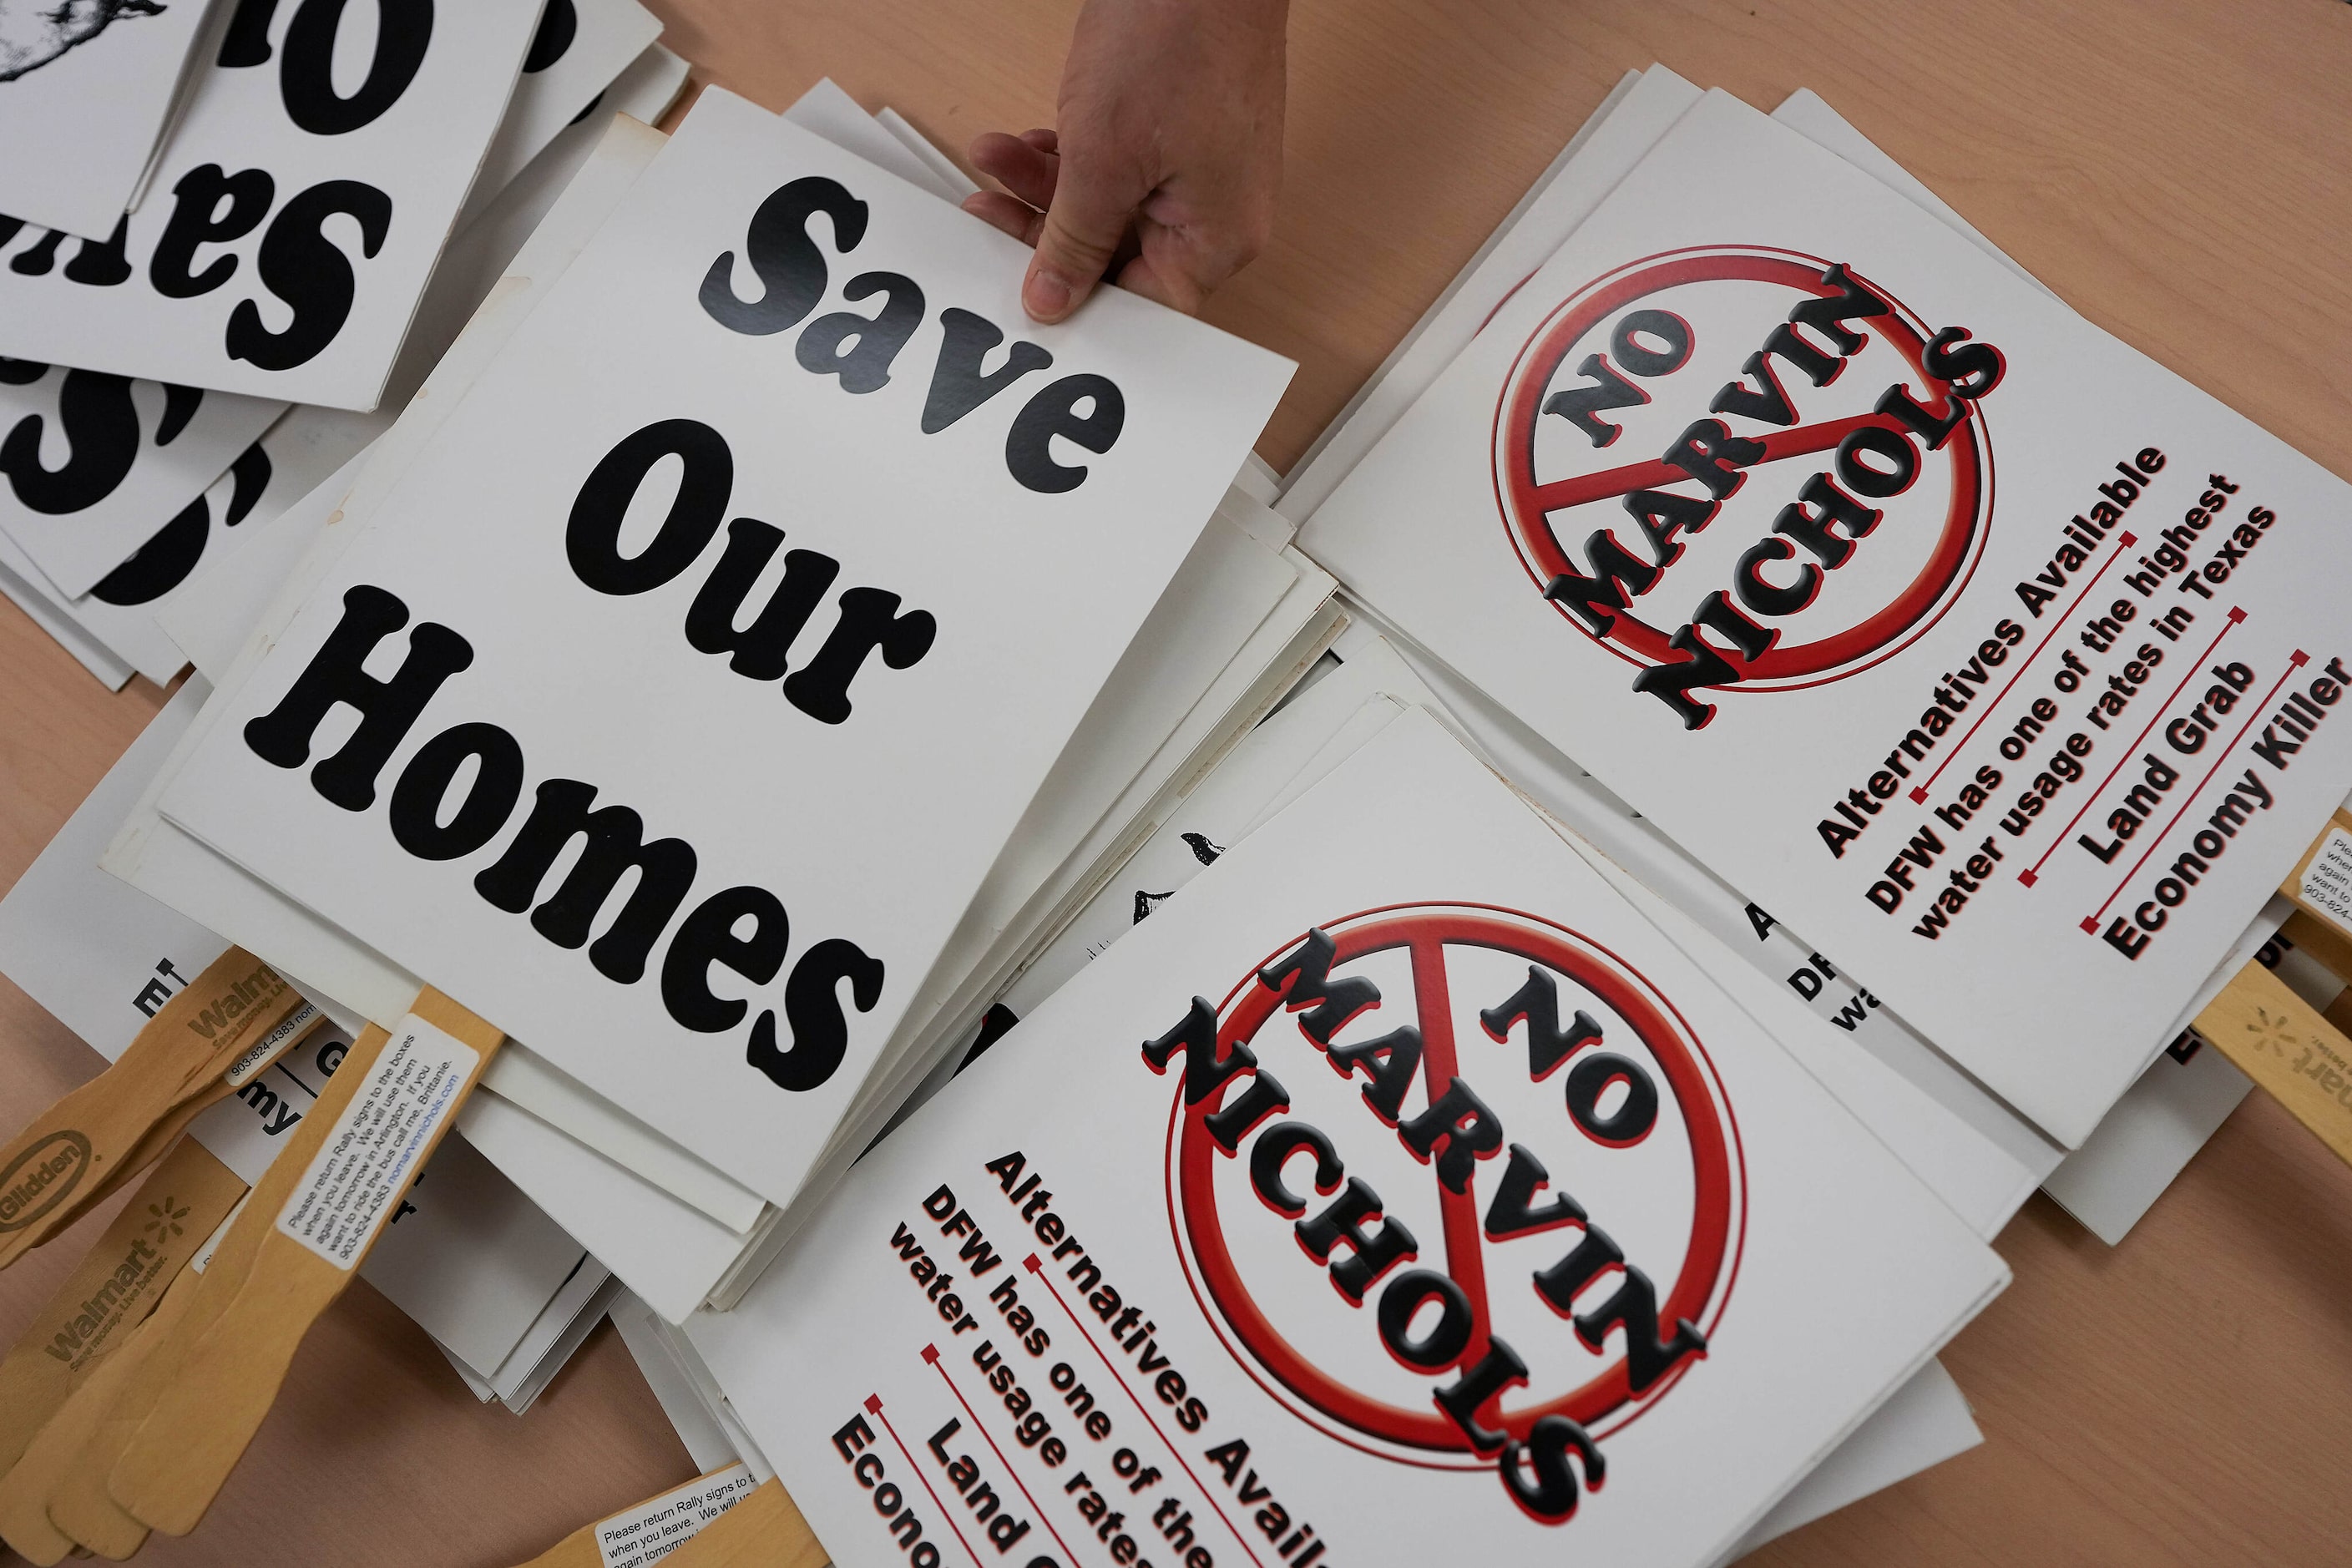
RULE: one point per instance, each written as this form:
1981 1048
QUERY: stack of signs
654 783
495 1282
1399 1158
2032 772
262 263
2184 1095
1362 690
1243 617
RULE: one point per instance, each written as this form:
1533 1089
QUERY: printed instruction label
2328 880
653 1529
271 1046
374 1151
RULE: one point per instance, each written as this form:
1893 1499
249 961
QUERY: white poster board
1881 776
294 215
840 826
1206 1182
93 465
84 92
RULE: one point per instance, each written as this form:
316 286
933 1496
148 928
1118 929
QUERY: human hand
1162 171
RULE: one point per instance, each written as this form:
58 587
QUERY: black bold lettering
1708 452
1498 1369
1447 1338
1390 1063
707 937
591 539
1768 401
1461 1122
1196 1036
1368 1257
1582 405
859 349
613 844
1303 976
101 427
870 623
388 709
247 42
423 786
1625 344
301 266
1832 508
1273 1151
1551 1493
1829 314
103 265
306 78
813 1007
197 220
1512 1211
1631 1123
1537 1004
956 384
784 256
1053 411
1617 576
559 25
1971 369
1634 1304
1673 684
1761 596
759 648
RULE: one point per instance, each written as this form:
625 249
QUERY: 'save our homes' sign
1978 647
682 692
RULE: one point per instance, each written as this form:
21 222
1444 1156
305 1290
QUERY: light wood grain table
2181 172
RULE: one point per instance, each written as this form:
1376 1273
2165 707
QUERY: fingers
1161 283
1017 218
1018 164
1084 222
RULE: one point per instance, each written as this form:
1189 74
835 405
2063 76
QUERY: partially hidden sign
295 214
1974 646
679 697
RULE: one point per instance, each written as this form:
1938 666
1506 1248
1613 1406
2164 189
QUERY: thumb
1083 229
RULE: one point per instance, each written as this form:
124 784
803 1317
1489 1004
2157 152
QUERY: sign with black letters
296 213
1397 1186
89 463
1984 652
684 689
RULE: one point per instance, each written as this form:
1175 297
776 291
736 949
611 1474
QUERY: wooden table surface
2181 172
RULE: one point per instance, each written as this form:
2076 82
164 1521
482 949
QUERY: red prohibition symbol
1488 1131
1553 487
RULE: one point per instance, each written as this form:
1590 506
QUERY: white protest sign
961 551
580 48
84 92
94 464
1384 1191
2028 769
296 213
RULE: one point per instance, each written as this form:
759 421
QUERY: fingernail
1045 296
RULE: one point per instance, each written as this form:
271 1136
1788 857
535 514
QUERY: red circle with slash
1527 503
1602 1402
